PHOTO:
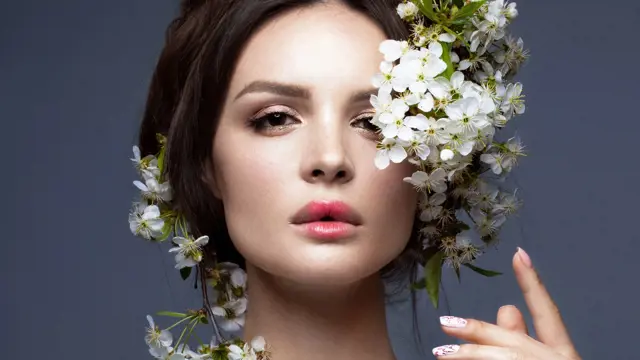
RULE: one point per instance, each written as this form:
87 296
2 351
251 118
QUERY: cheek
247 179
393 206
252 184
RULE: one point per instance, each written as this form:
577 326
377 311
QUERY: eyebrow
295 91
276 88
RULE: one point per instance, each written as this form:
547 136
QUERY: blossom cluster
442 95
153 218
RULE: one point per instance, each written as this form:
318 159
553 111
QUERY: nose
327 159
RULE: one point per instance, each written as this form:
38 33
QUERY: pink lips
327 220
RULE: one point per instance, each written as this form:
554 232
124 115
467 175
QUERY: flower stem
179 322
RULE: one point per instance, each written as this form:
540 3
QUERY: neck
312 324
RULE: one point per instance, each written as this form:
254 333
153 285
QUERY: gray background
76 284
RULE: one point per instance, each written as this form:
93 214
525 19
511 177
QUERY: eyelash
260 122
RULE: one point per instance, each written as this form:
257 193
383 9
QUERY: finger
547 321
480 332
477 352
510 318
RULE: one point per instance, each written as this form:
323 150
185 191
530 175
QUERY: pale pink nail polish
453 322
525 257
445 350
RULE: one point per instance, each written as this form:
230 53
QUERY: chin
331 264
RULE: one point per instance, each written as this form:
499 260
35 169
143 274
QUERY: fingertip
524 258
511 318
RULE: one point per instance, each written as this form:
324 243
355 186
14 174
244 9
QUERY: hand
508 340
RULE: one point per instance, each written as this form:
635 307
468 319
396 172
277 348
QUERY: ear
209 178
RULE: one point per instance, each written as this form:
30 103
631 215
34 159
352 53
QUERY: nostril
316 173
341 174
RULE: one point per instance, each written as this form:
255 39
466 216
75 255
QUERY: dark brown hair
188 90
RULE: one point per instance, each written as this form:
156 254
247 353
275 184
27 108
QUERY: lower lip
328 230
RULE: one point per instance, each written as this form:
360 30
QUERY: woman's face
294 130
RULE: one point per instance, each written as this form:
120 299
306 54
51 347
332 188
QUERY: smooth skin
508 338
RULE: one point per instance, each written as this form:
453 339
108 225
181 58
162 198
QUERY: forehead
322 46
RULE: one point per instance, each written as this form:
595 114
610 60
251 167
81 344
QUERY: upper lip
330 210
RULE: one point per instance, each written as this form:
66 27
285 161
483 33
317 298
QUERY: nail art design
445 350
452 321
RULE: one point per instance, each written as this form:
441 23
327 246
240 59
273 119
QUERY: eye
273 122
363 124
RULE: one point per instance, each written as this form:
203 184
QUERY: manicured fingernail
525 257
445 350
452 321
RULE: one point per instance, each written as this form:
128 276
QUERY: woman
270 146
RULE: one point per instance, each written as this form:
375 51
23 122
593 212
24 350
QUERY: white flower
510 11
435 182
484 196
232 314
189 251
153 190
435 34
258 344
514 56
457 140
393 111
512 100
463 238
430 230
417 67
418 145
494 160
238 278
442 91
508 204
145 221
515 147
147 165
160 352
426 103
441 86
382 105
407 10
137 160
385 79
487 223
155 337
241 353
389 150
435 131
465 116
393 49
394 122
432 208
447 154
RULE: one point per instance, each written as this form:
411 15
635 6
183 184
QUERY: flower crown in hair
442 94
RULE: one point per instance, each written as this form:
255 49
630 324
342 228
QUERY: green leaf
467 11
185 272
458 3
446 57
426 7
161 159
432 274
487 273
419 285
172 314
